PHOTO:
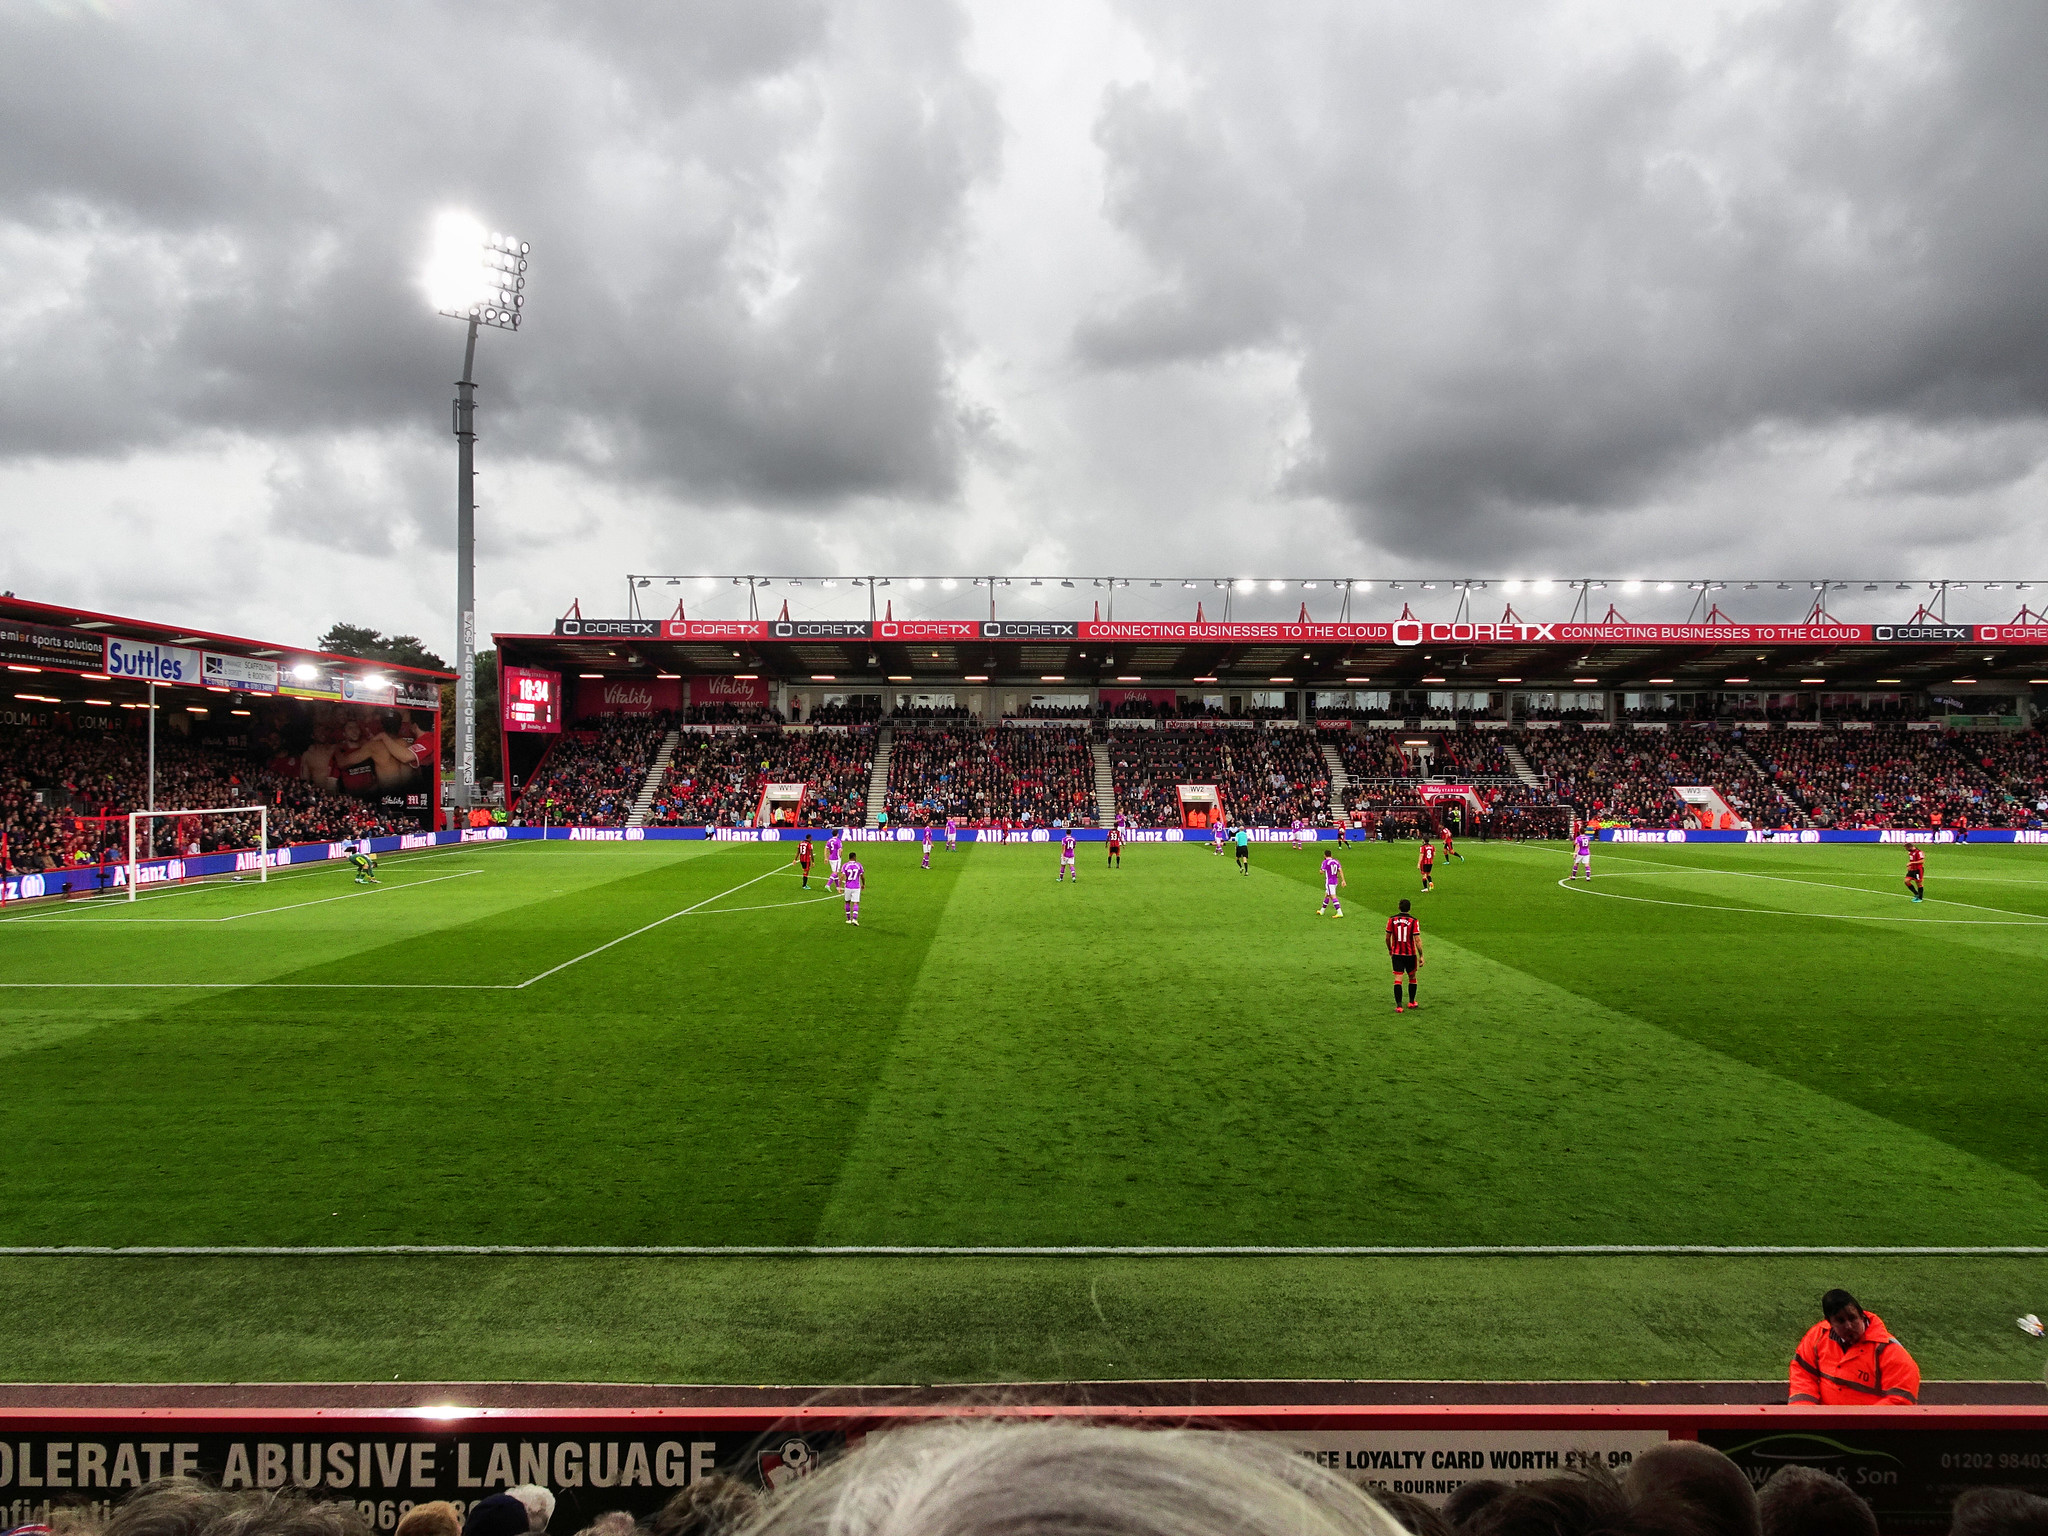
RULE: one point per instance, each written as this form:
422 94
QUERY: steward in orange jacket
1850 1357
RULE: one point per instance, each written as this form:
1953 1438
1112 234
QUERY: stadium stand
715 780
989 776
592 776
1370 756
1886 776
1627 776
1267 777
49 779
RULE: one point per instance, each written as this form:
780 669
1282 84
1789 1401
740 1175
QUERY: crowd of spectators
2017 763
731 714
1265 777
861 709
64 797
1369 756
716 780
594 776
992 776
1628 776
1472 755
1884 777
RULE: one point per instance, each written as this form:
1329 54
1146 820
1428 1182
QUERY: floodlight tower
478 276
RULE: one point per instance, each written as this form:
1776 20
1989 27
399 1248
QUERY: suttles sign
147 662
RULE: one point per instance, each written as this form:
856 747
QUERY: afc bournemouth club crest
786 1463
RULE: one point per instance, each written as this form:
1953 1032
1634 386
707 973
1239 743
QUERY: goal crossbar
137 818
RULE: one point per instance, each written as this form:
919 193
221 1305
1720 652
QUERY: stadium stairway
1340 781
657 774
1105 783
878 777
1528 776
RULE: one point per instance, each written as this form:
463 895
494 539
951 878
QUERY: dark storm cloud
1532 266
212 219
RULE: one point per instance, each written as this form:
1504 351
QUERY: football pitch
782 1130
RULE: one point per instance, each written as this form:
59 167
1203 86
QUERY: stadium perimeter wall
1910 1463
89 879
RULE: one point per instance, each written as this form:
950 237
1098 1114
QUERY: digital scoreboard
531 700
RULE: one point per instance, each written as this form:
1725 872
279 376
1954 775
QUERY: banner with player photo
386 755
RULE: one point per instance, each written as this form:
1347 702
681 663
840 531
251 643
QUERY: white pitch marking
1826 885
322 901
1851 917
398 986
1104 1250
236 917
84 905
579 959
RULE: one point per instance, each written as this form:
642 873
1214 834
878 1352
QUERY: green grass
1714 1045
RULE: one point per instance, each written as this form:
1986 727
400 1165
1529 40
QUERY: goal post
137 854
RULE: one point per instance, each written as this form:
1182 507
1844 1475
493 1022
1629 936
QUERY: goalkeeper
364 860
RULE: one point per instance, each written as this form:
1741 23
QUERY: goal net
176 836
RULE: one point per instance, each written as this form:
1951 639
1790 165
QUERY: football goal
236 829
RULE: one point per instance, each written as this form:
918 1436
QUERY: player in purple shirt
1297 834
1333 876
850 877
927 845
1582 856
1067 859
952 834
832 860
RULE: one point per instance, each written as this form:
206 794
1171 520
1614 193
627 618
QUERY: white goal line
1079 1250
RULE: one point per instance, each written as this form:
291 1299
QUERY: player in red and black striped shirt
1404 945
1916 871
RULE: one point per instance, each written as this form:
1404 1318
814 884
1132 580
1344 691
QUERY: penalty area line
647 928
1073 1250
1846 917
407 986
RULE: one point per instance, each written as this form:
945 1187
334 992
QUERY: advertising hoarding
38 645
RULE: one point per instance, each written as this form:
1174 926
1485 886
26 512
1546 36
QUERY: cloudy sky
1181 287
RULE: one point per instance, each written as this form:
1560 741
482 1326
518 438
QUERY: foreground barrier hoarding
1910 1463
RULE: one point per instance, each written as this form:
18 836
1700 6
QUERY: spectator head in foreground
172 1506
976 1478
1411 1513
1699 1477
539 1502
499 1515
182 1506
1467 1499
1999 1512
1850 1359
710 1506
437 1517
1805 1501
